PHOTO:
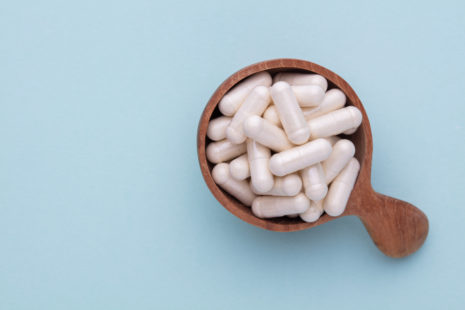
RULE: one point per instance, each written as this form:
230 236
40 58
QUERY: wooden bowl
396 227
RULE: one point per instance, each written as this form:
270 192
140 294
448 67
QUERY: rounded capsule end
316 192
212 154
262 91
317 93
279 87
262 184
252 125
313 213
275 165
238 170
345 146
226 106
256 207
300 136
292 185
220 173
235 136
302 203
332 207
337 95
356 115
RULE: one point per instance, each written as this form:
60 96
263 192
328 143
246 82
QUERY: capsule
314 182
342 152
238 189
339 191
259 158
290 114
273 206
266 133
334 99
313 213
302 79
231 102
224 150
216 130
335 122
255 104
308 95
239 168
350 131
289 185
272 116
299 157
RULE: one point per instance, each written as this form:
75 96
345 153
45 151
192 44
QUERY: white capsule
290 114
314 181
217 128
273 206
350 131
238 189
231 102
339 191
255 104
308 95
314 212
335 122
259 158
299 157
342 152
224 150
266 133
302 79
272 116
289 185
334 99
239 168
333 139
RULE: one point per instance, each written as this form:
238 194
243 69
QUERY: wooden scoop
397 228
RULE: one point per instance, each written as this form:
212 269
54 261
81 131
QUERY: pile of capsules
275 147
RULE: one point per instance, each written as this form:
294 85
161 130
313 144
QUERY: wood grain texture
396 227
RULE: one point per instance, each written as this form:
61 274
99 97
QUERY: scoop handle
397 227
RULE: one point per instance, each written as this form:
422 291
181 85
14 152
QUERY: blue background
102 204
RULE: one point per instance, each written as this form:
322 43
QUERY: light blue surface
102 204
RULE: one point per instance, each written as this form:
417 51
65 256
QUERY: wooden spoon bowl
397 228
